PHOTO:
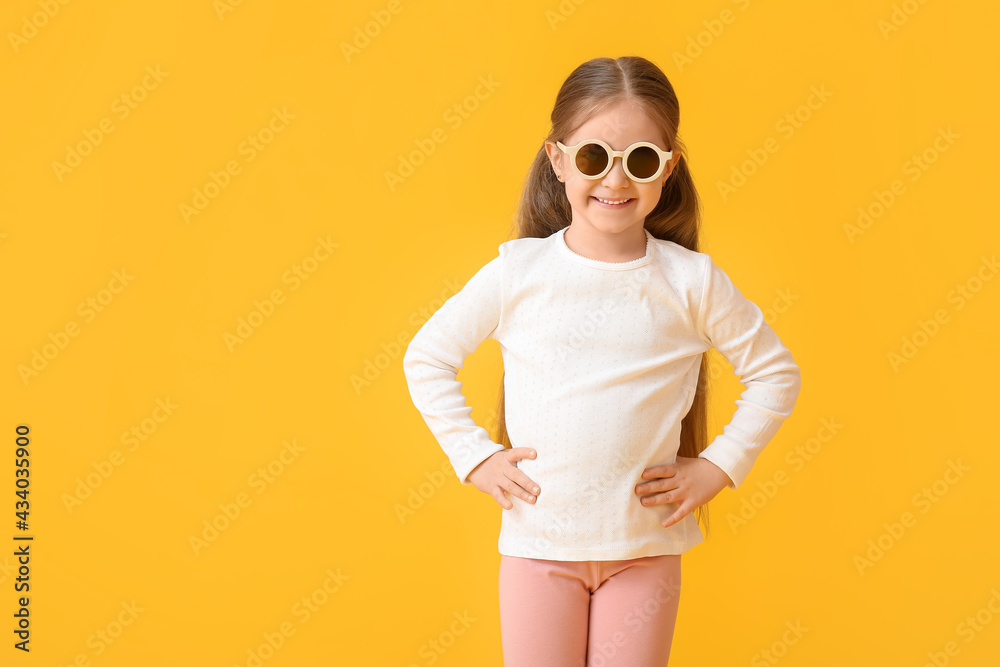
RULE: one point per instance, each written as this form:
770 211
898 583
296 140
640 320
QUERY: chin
618 228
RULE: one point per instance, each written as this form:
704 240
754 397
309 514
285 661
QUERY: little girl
603 307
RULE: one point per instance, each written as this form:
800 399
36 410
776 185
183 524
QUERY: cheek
651 196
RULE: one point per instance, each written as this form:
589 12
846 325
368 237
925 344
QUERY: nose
616 177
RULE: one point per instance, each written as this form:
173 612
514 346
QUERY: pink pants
618 613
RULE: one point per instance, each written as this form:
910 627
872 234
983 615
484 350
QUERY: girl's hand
690 481
499 473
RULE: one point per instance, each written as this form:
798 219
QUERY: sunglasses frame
665 156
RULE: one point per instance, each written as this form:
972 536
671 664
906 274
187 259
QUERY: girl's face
619 126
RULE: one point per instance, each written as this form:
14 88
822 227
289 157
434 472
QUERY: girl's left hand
690 481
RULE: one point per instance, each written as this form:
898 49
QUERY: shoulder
514 257
527 243
682 264
526 249
677 251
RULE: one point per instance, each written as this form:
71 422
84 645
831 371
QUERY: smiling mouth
614 202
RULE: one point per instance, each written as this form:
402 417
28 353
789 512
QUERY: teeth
613 203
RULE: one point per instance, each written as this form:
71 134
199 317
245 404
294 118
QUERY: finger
664 470
515 490
660 498
681 512
657 485
524 481
502 500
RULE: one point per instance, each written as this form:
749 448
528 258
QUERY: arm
436 353
735 326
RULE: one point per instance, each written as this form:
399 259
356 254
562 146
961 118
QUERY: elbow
794 383
418 361
790 372
410 360
411 357
787 383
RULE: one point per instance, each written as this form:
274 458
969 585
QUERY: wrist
721 475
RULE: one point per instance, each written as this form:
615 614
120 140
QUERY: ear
555 158
671 165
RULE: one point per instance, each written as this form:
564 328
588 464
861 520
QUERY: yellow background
363 449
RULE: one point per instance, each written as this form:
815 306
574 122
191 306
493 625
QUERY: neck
623 246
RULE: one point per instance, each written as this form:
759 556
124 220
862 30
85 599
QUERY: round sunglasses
642 161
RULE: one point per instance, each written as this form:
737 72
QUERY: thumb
682 511
518 453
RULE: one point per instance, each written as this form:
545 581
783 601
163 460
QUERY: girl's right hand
499 473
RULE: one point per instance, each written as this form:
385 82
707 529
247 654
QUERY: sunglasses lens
643 162
592 159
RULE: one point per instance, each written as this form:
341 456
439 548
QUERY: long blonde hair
544 209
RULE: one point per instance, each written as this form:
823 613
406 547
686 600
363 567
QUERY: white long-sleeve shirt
601 361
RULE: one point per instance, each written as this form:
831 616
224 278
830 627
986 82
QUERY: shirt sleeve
735 326
436 353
